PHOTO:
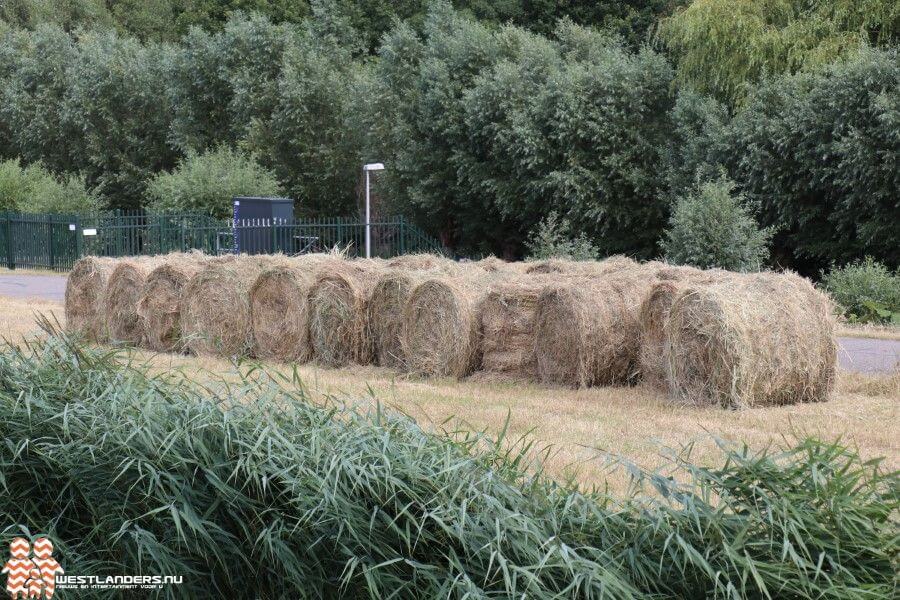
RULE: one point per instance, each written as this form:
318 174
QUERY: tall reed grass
251 490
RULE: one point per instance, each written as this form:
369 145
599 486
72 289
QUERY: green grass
251 490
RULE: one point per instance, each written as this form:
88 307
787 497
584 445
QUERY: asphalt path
863 355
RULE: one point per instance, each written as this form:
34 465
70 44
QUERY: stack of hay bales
704 336
215 307
765 339
85 288
279 307
161 299
338 312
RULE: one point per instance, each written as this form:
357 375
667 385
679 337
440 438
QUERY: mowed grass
579 426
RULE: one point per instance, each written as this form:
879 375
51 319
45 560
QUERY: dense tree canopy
490 116
724 46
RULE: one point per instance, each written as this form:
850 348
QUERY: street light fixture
369 168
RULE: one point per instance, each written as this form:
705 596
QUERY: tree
553 238
206 183
36 101
819 154
724 46
33 189
712 227
119 100
307 141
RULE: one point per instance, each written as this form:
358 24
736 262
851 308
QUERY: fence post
402 235
274 235
79 240
50 239
10 259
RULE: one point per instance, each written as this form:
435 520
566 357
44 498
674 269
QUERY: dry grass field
578 425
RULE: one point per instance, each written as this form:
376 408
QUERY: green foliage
36 103
32 189
866 290
119 101
251 482
712 227
817 153
206 183
724 45
553 238
488 131
697 147
66 14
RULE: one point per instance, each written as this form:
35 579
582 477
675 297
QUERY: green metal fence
57 241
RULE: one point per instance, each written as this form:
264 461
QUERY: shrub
712 227
33 189
866 290
252 483
813 152
205 183
553 238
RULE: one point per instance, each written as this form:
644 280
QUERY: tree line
488 127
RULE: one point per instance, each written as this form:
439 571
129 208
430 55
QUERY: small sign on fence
89 231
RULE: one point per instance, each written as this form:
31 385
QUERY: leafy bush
722 46
488 131
32 189
712 227
866 290
553 238
811 151
252 483
205 183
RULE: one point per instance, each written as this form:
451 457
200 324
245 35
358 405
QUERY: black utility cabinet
254 218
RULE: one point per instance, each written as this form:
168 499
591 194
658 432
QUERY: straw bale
85 286
655 310
441 325
159 307
338 312
507 325
279 306
760 340
215 308
586 331
119 305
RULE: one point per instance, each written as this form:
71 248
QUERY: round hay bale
279 307
215 307
421 262
389 299
160 305
338 313
85 287
655 310
507 326
441 326
586 331
121 297
760 340
492 264
582 268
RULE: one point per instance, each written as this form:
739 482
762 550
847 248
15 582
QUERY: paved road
864 355
47 287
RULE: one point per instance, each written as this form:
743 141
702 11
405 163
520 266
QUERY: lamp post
369 168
